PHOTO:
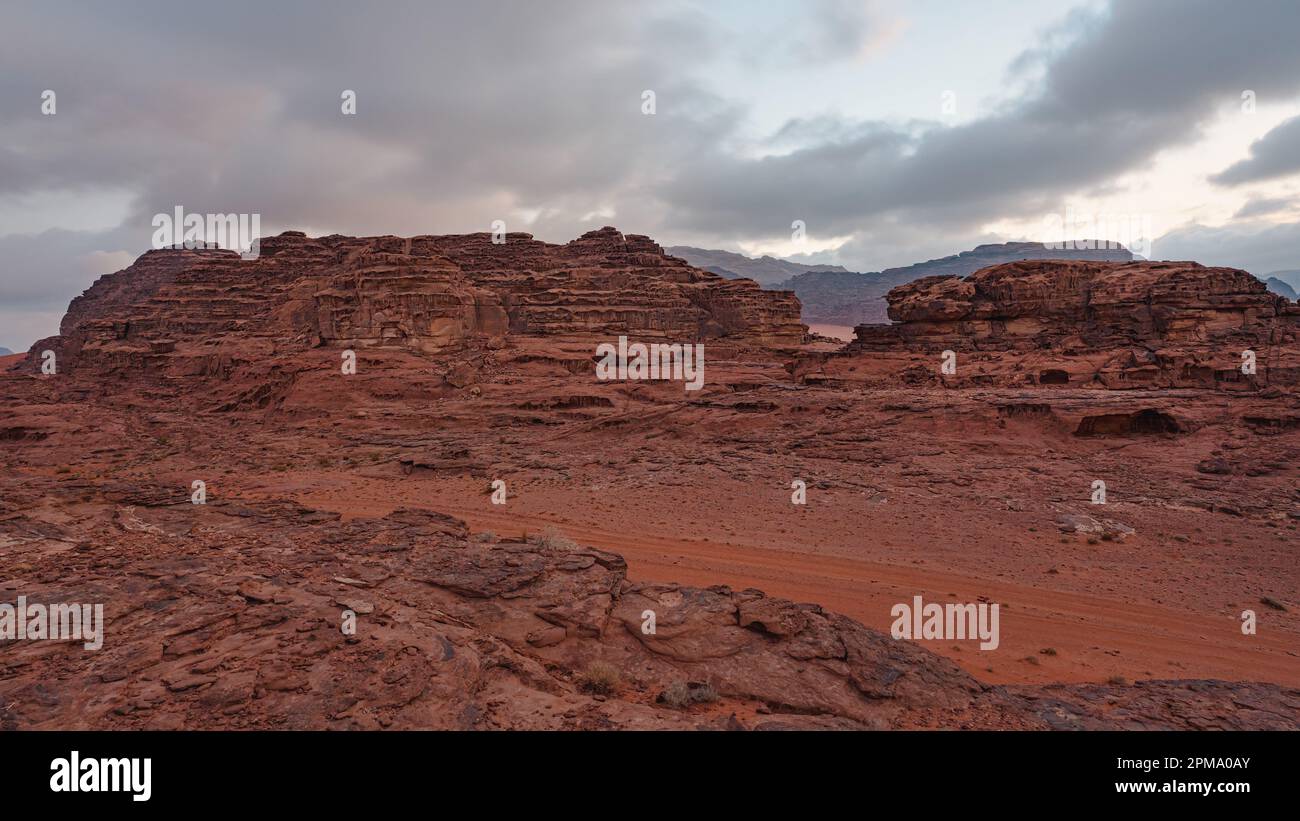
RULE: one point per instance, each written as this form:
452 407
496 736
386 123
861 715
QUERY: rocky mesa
1115 325
180 312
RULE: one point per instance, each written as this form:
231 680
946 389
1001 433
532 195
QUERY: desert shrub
676 694
682 694
704 694
552 538
487 537
601 677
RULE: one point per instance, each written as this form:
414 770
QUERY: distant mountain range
5 352
766 271
1284 283
832 295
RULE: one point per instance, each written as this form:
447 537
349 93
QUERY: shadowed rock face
427 293
1119 324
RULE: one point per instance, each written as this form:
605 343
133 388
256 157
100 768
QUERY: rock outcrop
176 311
1054 304
276 616
1121 324
847 298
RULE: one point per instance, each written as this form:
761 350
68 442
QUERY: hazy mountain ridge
1290 276
768 271
1283 283
1280 287
833 295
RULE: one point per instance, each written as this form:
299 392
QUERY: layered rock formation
1165 323
1053 304
606 283
175 311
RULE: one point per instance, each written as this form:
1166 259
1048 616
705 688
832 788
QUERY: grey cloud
1133 81
518 99
43 272
1254 247
1263 206
1276 154
46 270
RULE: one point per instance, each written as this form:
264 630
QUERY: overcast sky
895 131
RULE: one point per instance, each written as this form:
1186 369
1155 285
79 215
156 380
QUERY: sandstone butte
369 493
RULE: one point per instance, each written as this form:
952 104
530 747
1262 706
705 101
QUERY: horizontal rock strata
1118 325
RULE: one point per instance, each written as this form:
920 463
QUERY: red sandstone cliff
177 311
1119 324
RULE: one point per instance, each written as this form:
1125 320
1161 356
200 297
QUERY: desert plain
497 520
